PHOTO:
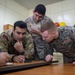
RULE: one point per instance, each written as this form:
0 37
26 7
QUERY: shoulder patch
4 36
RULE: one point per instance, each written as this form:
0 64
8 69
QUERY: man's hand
19 46
73 63
19 59
48 58
38 32
4 58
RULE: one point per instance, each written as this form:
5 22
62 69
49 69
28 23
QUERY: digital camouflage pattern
7 44
41 47
65 43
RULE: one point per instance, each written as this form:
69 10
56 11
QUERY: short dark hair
20 24
41 9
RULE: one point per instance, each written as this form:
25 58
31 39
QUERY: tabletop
51 69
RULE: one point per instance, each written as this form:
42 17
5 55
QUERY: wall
61 11
11 11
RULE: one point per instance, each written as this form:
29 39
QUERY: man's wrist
21 53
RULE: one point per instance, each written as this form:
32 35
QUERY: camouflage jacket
7 44
30 21
65 43
41 47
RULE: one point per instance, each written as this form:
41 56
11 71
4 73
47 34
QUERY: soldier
34 23
18 43
61 38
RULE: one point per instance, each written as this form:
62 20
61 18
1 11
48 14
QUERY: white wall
11 11
61 11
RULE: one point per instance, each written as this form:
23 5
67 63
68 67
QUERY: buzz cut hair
48 25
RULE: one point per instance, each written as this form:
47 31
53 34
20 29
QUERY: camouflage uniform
40 46
65 43
7 44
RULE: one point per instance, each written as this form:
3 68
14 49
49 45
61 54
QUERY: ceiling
30 4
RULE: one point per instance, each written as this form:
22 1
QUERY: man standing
34 24
18 43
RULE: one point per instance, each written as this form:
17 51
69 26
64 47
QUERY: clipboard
35 27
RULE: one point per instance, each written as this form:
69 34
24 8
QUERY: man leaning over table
61 38
18 43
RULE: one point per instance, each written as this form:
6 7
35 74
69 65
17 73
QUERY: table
53 69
